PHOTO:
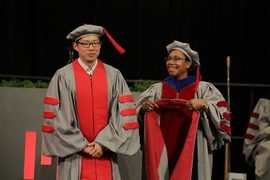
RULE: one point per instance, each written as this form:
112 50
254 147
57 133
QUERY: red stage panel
29 155
45 160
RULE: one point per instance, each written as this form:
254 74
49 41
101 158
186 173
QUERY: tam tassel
117 46
198 78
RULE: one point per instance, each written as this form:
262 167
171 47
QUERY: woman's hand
194 104
149 106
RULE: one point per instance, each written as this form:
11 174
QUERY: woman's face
176 65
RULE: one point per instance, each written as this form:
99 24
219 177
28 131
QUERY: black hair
191 68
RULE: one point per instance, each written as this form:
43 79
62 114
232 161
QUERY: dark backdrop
33 43
33 35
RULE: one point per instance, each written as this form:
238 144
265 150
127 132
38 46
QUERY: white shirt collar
86 68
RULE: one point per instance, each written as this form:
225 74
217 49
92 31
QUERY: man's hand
97 150
88 148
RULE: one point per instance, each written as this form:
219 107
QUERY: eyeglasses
175 58
87 44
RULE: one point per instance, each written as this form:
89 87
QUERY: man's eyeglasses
175 58
87 44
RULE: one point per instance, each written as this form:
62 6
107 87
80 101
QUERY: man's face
88 49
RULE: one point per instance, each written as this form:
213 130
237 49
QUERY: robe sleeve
121 135
216 126
257 136
62 137
152 93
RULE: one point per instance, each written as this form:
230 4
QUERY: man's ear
75 45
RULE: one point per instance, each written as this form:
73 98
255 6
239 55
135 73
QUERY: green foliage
138 86
24 83
141 85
